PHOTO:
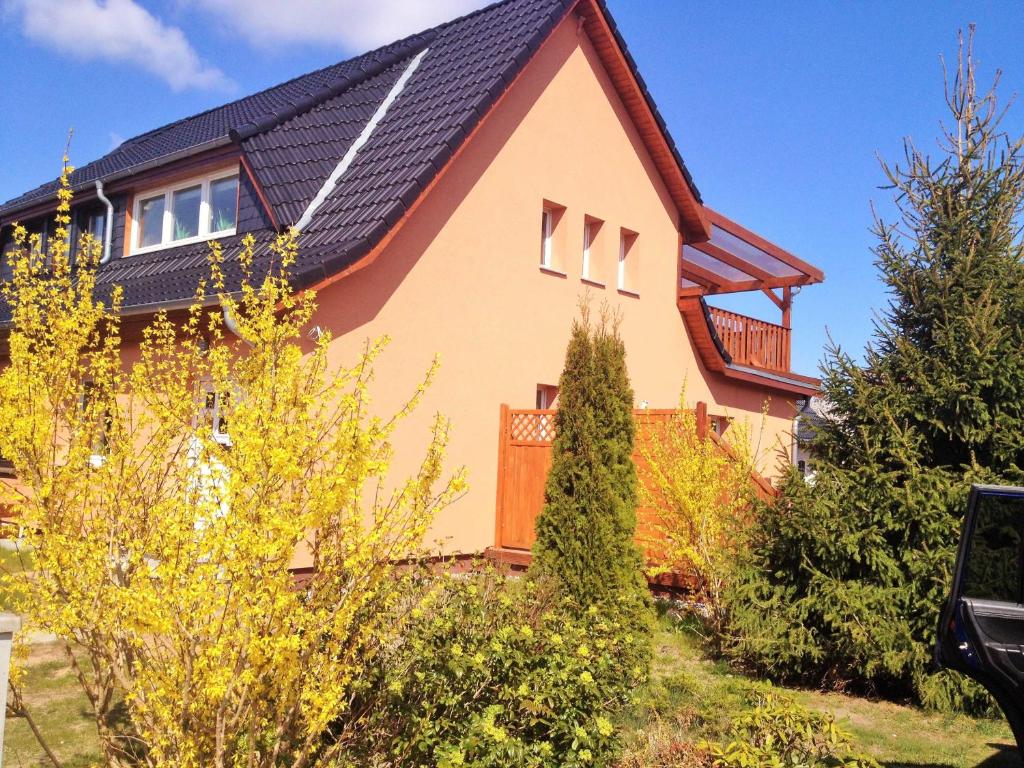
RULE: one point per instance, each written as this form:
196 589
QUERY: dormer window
187 212
96 224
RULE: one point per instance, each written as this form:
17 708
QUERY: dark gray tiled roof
294 135
244 115
293 159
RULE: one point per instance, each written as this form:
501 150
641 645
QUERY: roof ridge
336 88
404 42
276 86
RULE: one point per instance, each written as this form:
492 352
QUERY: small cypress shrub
585 533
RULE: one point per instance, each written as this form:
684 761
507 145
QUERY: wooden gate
524 458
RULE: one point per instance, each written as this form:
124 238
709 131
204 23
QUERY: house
814 413
460 190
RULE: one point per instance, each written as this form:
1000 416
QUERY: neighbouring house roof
816 412
426 93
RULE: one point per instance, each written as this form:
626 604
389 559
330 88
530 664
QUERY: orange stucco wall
461 279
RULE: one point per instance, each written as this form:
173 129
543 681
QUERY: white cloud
120 31
354 25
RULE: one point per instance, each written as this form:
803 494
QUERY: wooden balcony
751 342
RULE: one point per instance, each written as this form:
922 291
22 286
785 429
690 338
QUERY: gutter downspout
232 325
796 439
108 222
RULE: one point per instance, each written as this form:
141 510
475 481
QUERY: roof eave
611 47
44 204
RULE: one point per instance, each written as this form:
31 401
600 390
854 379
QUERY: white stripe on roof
361 140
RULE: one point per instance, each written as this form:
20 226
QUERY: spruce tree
847 576
585 533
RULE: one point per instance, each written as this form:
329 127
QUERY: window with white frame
215 415
547 229
627 267
197 209
591 268
547 394
552 235
101 422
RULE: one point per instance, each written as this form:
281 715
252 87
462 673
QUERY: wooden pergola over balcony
732 260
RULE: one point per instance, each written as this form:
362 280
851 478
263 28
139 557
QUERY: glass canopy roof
735 259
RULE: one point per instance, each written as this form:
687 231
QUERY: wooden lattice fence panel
524 459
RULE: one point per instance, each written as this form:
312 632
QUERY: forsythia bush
161 554
777 732
498 672
700 496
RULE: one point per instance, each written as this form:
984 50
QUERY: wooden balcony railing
752 342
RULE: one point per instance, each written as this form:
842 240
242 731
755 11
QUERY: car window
993 568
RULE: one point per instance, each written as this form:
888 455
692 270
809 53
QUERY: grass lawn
59 709
696 700
698 696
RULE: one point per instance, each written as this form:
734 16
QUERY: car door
981 631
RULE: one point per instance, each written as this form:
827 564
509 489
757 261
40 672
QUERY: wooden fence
524 458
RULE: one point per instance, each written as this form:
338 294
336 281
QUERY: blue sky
780 109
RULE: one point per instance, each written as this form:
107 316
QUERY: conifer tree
849 575
585 533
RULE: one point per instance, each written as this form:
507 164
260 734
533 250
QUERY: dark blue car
981 630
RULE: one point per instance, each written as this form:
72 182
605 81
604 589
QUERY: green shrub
848 575
585 532
499 672
777 732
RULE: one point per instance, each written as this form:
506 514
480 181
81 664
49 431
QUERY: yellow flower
586 678
604 726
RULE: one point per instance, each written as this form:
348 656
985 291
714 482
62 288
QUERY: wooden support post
499 509
787 307
701 414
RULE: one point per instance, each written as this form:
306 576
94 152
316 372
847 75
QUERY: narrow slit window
587 242
216 416
552 238
591 250
547 394
626 278
546 232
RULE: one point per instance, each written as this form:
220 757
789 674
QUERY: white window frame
622 261
547 232
98 454
219 435
588 227
628 240
167 192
